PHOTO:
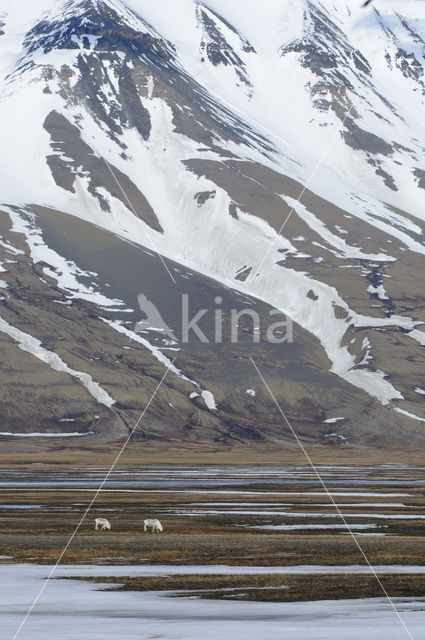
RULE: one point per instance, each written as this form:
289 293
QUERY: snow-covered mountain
269 155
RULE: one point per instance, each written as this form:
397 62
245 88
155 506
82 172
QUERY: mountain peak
94 24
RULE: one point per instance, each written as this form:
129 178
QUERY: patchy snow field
71 610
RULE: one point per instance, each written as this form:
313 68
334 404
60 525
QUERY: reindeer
154 523
103 523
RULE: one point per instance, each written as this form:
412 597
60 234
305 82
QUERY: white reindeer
154 523
103 523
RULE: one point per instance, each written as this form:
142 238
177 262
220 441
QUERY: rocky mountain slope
234 155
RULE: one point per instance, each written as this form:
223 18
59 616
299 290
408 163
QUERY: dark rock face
312 295
243 274
246 45
125 110
409 65
116 57
86 19
360 61
203 196
387 178
135 114
358 138
326 52
215 47
420 174
324 49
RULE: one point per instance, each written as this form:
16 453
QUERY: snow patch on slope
30 344
209 400
320 228
156 352
409 415
46 435
66 273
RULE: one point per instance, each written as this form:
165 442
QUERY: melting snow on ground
70 609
